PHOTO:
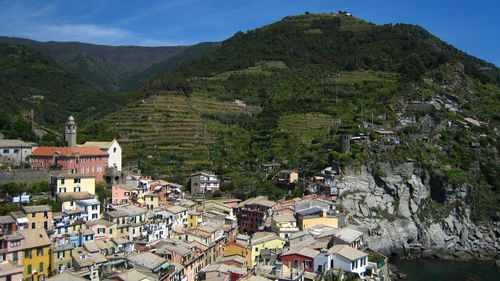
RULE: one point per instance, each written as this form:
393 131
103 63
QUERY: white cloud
84 33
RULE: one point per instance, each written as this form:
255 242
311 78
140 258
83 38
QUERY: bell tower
70 132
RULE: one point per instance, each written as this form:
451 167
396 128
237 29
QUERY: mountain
110 67
170 64
31 80
402 94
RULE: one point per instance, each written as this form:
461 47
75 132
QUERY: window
77 180
77 189
15 256
29 270
95 207
45 214
5 151
110 231
15 243
16 150
46 224
307 264
60 255
33 225
62 181
39 251
33 215
127 193
62 189
42 277
41 266
101 230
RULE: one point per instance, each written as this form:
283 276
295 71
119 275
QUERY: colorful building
103 229
284 224
73 183
39 217
193 219
123 193
252 213
61 252
239 249
302 257
68 200
74 160
314 216
264 240
35 254
11 267
150 200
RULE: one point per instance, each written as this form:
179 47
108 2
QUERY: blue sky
472 26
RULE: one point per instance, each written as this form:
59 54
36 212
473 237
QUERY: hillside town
157 230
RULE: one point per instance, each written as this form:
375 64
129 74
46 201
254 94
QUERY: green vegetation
10 190
306 80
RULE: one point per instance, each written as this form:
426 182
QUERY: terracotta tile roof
67 151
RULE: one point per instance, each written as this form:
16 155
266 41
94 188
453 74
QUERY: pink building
102 228
11 267
122 193
74 160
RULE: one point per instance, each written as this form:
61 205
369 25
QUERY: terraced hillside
167 132
306 127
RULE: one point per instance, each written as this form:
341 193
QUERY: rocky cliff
406 212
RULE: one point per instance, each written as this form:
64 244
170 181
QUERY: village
157 230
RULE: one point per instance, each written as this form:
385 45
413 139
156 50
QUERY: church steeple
70 132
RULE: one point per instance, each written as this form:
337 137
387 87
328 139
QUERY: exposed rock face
394 211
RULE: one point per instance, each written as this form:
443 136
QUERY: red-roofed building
74 160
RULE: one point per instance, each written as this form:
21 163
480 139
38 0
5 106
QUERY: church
100 159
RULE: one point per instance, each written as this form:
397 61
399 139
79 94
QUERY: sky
472 26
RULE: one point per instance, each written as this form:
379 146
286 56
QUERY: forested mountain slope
109 67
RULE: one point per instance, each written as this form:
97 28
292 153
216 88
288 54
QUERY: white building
92 208
155 231
341 257
179 216
201 183
112 148
15 152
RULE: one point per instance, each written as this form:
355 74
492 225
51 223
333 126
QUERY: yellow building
36 254
323 217
236 248
286 177
151 201
74 183
193 219
264 240
284 225
39 217
68 199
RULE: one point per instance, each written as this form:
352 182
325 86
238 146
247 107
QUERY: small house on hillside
286 177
